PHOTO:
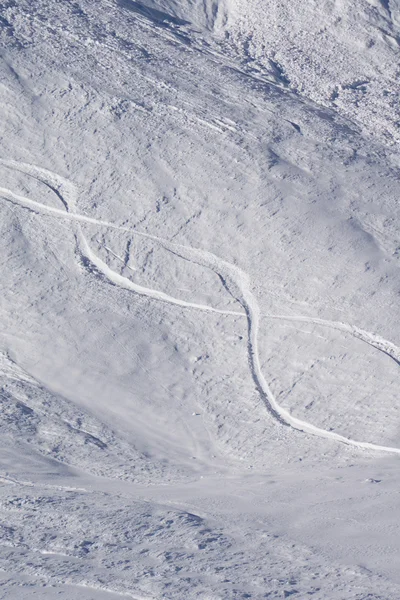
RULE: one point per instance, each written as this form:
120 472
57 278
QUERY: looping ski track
235 280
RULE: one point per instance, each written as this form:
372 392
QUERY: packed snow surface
200 334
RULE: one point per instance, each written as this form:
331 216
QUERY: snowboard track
235 281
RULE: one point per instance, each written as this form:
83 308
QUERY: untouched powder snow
200 342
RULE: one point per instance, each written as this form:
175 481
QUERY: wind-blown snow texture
200 342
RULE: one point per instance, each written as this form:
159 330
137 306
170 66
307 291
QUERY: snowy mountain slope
206 14
341 54
54 428
90 543
199 309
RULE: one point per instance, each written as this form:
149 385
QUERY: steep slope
203 14
200 272
341 54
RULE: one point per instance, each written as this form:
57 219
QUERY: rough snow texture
200 342
341 54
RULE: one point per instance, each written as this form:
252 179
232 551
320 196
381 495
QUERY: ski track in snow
234 279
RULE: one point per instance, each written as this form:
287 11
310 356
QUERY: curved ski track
235 280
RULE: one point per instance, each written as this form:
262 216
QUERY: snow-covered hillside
343 55
200 340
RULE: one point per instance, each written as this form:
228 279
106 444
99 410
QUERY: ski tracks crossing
234 279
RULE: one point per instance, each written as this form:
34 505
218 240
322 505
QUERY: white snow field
200 315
